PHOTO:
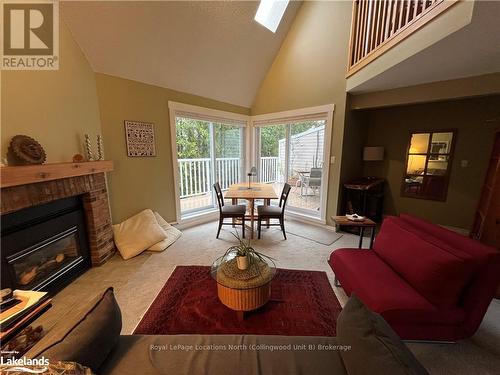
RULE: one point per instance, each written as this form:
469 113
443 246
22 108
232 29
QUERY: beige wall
391 128
309 70
139 183
55 107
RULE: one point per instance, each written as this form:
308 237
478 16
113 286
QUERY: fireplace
44 247
55 223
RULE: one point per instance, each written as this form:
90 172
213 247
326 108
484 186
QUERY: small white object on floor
171 232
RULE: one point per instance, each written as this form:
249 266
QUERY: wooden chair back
218 194
284 196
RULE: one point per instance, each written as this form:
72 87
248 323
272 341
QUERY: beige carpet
323 236
138 280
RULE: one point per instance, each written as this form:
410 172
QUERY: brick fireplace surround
92 188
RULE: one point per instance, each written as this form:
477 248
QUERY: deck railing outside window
377 25
268 171
195 174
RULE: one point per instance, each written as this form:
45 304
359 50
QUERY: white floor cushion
137 234
172 234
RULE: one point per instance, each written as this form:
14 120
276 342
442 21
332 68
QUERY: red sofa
428 283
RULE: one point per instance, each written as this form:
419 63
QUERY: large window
428 164
208 151
293 152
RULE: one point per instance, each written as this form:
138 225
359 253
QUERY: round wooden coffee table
243 290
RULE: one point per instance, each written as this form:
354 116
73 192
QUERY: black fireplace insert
44 247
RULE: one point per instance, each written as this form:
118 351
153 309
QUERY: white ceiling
471 51
213 49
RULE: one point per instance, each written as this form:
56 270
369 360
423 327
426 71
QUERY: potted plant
245 253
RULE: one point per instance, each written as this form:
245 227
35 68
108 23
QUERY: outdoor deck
295 199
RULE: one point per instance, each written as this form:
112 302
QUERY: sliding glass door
207 152
294 153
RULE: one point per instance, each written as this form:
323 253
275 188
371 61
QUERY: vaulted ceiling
208 48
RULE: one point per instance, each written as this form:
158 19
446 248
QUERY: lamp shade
373 153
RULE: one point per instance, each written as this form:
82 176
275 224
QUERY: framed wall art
140 137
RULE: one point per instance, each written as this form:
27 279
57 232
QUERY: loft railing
378 25
195 175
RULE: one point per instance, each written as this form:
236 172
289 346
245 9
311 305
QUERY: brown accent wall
391 127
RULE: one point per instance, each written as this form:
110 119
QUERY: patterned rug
302 304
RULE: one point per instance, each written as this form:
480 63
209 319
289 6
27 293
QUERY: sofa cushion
137 233
451 240
384 291
436 274
86 335
171 232
224 354
375 348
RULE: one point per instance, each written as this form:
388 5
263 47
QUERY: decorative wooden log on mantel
30 174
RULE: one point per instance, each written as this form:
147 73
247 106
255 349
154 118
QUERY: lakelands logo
24 365
30 35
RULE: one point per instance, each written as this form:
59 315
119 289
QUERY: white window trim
249 122
174 108
284 116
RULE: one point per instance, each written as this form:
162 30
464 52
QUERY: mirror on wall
428 162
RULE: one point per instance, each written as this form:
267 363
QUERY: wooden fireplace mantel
30 174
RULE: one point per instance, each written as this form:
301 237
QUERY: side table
343 221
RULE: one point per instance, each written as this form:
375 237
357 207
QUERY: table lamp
253 172
373 153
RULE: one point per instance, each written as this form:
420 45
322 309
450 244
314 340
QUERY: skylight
270 13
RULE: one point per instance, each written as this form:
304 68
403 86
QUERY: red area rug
302 304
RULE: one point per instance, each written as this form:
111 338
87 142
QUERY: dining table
251 193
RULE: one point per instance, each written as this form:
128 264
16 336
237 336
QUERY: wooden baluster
385 20
415 8
408 5
393 20
400 14
352 40
388 19
359 43
364 29
359 20
371 28
376 40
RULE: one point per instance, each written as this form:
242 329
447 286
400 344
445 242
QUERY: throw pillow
86 335
137 233
172 234
375 347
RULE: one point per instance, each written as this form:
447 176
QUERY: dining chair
230 211
313 181
268 212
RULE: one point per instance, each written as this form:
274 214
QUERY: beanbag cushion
172 234
137 233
